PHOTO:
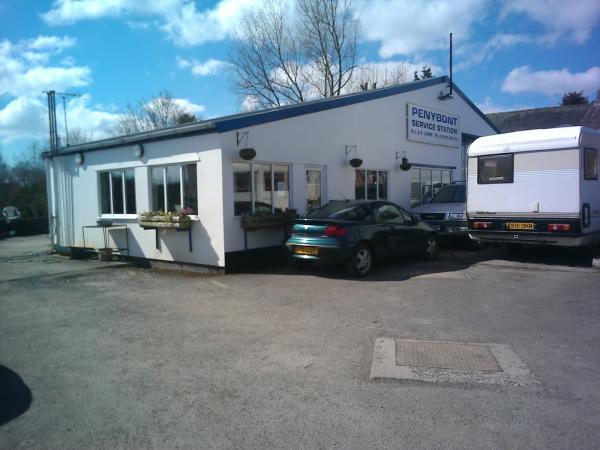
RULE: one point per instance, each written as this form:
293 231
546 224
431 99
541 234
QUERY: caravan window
590 164
495 169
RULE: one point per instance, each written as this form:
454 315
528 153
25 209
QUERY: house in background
301 159
552 117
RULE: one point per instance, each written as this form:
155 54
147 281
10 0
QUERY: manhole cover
445 355
447 362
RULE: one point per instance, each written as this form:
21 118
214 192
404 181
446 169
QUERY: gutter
146 136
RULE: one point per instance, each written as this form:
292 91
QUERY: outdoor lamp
138 151
79 158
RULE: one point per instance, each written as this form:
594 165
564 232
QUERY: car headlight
456 216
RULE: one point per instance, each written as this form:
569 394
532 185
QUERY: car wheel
361 261
432 248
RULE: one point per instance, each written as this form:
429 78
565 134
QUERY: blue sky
114 52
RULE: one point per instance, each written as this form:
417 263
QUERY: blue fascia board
239 121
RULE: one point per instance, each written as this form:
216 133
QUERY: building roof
237 121
557 116
529 140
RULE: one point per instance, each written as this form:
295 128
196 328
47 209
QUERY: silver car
446 213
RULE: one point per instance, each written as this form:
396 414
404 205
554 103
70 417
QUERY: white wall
377 128
78 199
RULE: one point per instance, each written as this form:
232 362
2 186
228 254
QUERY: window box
252 222
151 221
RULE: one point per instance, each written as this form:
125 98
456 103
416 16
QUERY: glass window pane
130 191
590 164
104 193
281 195
173 189
436 181
495 169
242 189
262 188
382 181
117 192
415 188
313 189
359 185
371 185
445 177
158 189
190 187
425 186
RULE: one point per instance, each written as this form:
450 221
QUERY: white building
302 157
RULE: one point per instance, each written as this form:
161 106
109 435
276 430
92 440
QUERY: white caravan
535 187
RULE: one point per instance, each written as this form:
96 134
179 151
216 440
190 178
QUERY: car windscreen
450 194
340 211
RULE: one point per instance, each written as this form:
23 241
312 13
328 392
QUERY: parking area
122 357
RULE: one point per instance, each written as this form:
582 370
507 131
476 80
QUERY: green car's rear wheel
361 261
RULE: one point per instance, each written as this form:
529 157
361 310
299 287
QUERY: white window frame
420 168
110 194
252 187
164 170
320 169
376 183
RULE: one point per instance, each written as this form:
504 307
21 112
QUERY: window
174 188
313 189
426 183
495 169
451 194
340 210
590 164
370 185
392 214
117 191
260 187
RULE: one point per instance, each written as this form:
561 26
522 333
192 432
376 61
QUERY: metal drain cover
439 362
445 355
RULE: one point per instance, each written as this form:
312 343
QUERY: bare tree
372 76
161 111
281 56
79 136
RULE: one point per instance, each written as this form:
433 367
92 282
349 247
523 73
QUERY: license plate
306 251
527 226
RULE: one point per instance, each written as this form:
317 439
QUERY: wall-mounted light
404 164
79 158
138 150
354 162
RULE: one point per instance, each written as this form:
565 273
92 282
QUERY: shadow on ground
454 257
15 396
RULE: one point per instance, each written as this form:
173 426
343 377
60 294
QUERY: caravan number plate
527 226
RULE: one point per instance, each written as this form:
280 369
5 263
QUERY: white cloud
488 106
23 68
209 67
137 25
404 27
550 82
189 106
181 20
577 16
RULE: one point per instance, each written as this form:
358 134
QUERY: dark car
354 233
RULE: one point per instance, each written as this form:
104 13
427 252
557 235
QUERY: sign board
432 127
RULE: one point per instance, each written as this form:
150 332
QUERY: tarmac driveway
133 358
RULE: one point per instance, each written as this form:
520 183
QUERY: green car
354 233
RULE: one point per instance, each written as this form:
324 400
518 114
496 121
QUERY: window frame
252 165
321 170
585 174
500 155
442 170
366 192
181 189
125 213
